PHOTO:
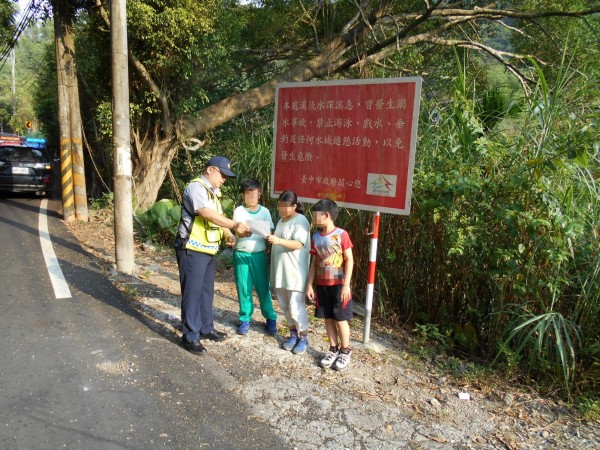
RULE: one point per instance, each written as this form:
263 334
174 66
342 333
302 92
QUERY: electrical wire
17 28
27 17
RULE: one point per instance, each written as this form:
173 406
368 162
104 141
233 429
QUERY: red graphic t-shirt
329 251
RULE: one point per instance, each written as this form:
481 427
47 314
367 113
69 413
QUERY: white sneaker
343 359
329 358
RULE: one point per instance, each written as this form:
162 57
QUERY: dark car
25 169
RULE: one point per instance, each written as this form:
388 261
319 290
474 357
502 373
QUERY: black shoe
214 335
194 347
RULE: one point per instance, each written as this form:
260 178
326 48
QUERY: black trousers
197 280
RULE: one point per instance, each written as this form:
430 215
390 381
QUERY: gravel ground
387 399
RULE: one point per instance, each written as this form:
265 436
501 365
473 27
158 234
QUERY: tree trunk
154 157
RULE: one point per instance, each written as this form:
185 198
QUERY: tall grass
503 236
249 145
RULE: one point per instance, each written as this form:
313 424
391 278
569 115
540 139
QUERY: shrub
159 223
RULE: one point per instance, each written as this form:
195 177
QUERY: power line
31 10
18 27
17 33
25 18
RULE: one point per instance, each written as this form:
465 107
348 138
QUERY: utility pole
74 196
64 125
123 220
13 86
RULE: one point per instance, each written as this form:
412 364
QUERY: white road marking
61 288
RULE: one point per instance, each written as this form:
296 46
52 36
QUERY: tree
197 65
7 22
7 28
579 37
29 54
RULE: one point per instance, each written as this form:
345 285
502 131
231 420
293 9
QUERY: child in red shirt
331 267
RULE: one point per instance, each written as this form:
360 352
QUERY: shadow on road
95 283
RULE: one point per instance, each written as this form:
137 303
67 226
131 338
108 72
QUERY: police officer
201 230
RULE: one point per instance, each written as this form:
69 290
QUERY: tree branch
505 13
162 98
331 59
253 99
496 54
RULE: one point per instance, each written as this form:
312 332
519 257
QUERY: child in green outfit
250 262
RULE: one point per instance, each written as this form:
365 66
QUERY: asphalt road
87 371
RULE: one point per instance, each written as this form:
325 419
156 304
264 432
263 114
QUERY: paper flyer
260 227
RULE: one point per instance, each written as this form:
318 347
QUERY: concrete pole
13 85
78 169
124 249
66 163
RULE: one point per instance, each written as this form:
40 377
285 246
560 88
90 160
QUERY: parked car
25 169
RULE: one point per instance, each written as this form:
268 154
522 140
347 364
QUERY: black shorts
329 304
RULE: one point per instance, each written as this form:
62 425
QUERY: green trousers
252 271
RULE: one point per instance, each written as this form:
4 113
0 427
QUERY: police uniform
197 243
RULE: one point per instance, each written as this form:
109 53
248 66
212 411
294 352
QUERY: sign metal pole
371 276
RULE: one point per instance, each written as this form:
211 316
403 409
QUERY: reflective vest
206 236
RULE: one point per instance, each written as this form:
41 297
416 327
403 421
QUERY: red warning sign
352 141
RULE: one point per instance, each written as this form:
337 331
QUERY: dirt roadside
387 399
